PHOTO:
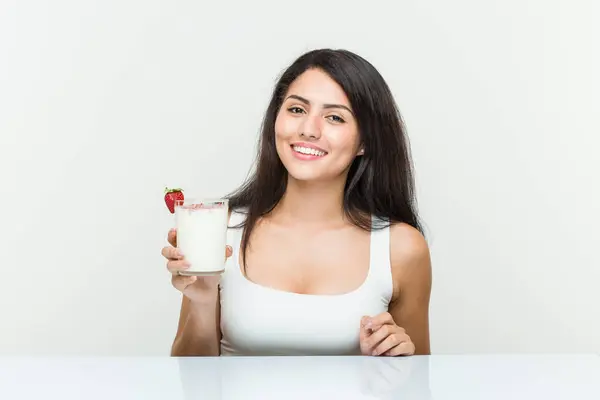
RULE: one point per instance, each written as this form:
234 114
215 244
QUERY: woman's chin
308 174
311 171
304 175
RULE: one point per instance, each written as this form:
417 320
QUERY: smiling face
316 134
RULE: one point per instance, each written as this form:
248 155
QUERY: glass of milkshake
202 234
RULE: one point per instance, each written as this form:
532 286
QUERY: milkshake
202 234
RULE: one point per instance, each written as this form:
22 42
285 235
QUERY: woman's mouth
307 153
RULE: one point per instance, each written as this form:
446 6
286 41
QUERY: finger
364 321
172 237
363 335
181 282
228 251
406 348
171 253
364 332
385 318
378 336
391 341
174 266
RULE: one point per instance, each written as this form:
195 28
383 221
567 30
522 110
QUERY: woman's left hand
380 336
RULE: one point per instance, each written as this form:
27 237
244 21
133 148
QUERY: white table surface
466 377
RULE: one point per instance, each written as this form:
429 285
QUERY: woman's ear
361 152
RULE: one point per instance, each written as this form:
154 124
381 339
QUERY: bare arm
198 331
411 270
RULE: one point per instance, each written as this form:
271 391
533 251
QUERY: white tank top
258 320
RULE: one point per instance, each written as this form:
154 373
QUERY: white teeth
309 151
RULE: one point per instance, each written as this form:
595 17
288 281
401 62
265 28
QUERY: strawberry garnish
171 196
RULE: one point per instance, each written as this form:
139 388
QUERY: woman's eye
295 110
336 118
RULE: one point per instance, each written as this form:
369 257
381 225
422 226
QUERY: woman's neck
311 202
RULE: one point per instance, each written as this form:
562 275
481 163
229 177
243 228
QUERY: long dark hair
379 183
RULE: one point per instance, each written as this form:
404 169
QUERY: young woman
327 255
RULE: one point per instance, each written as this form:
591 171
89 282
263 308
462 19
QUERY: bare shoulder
410 258
411 272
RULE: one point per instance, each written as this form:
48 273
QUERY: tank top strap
381 267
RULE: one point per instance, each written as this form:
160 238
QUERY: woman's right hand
193 287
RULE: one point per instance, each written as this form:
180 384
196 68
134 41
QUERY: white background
103 103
